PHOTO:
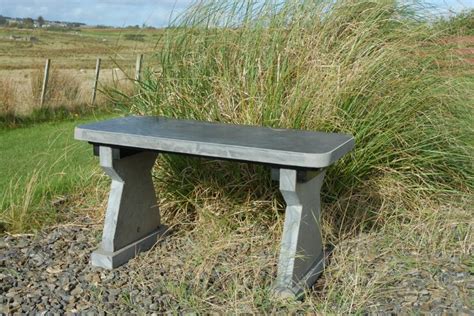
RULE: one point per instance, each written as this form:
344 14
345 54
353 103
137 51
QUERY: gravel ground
50 272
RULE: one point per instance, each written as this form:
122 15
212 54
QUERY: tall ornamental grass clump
368 68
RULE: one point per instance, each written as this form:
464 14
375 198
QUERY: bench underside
132 221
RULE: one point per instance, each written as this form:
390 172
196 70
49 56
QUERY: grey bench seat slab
297 148
128 148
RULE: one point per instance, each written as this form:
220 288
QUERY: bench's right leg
132 220
301 251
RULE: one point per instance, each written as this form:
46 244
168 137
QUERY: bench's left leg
132 220
301 258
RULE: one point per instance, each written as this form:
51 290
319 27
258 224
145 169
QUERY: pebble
50 274
77 291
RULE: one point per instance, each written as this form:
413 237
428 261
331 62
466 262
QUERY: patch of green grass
42 167
48 115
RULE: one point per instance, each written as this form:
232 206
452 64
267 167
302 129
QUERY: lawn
42 166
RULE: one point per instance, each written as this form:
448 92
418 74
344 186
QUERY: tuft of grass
368 68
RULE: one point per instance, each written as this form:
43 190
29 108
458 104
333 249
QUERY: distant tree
3 20
40 21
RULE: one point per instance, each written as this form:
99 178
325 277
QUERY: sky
129 12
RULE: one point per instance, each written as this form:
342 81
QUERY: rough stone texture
301 234
51 272
132 221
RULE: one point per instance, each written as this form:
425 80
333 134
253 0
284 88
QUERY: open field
26 87
74 49
73 54
398 209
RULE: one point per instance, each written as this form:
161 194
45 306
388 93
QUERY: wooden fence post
45 81
138 67
96 80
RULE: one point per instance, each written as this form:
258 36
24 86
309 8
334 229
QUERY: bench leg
132 220
301 254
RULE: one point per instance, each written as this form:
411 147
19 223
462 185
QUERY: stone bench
128 147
